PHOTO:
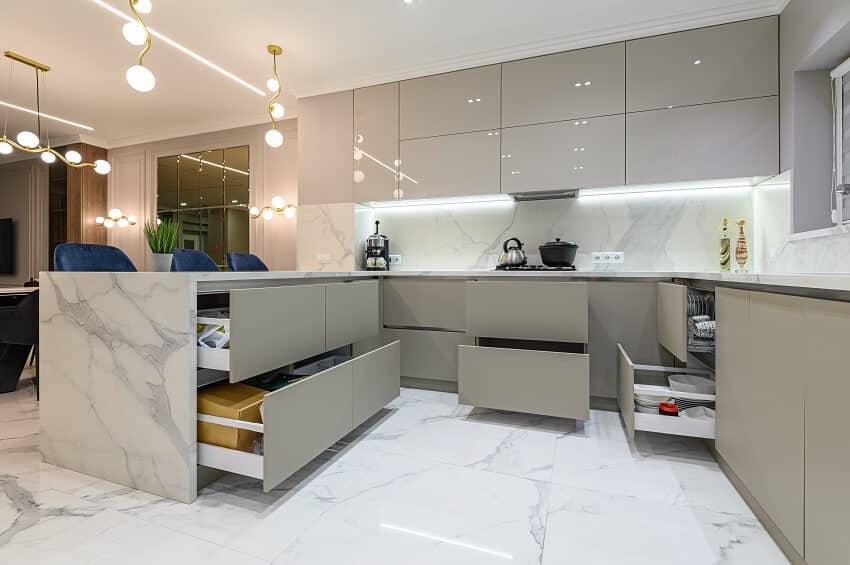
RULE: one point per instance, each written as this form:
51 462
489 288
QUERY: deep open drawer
551 383
633 420
304 419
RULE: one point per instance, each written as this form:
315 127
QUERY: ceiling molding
656 26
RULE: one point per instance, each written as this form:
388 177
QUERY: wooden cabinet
451 165
574 154
723 140
827 468
542 311
456 102
576 84
352 312
325 147
672 318
376 142
713 64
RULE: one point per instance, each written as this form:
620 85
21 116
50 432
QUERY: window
207 193
841 91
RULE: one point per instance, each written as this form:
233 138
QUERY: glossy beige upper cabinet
451 165
375 148
713 64
564 155
325 134
711 141
457 102
577 84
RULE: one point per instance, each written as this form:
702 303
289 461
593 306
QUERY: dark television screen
7 246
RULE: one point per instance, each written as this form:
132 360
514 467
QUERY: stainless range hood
544 195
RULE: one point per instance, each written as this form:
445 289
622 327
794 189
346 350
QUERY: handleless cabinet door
564 155
376 381
451 165
827 441
713 64
325 134
575 84
352 312
262 335
457 102
375 142
723 140
429 354
419 303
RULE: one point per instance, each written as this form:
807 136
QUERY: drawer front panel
429 354
352 312
672 319
536 382
424 304
541 311
272 327
376 381
304 419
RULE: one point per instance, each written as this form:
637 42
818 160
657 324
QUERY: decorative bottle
725 247
741 252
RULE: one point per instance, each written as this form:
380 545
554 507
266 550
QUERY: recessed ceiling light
181 48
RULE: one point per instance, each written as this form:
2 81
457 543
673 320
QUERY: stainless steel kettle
512 254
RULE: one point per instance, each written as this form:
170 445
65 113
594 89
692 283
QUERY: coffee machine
377 251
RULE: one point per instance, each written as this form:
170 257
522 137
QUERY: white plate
692 383
698 413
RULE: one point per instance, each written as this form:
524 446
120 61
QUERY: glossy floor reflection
425 482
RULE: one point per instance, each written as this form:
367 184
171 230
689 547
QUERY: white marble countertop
813 281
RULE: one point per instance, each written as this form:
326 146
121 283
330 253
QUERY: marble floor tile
424 481
596 528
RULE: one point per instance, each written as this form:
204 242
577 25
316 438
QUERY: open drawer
305 418
633 420
269 328
551 383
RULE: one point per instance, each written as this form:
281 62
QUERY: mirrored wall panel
208 194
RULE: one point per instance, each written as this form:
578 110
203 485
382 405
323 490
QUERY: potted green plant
162 238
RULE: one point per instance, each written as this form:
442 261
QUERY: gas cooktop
534 268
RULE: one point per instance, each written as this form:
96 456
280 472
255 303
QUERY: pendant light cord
37 104
8 96
47 122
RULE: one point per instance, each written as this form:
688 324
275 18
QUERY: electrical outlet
618 257
395 259
608 256
323 258
598 257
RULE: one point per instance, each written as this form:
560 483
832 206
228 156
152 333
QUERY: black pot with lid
558 253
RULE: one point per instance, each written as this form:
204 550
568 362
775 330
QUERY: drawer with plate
303 419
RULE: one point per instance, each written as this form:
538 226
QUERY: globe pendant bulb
73 157
5 148
278 110
140 78
102 167
134 33
28 139
48 157
274 138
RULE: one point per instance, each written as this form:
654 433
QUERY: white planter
162 262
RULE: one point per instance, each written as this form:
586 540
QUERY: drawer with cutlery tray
547 378
668 400
302 419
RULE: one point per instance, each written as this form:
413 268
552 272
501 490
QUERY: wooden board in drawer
536 382
544 311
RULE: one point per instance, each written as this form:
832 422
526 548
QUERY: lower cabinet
303 419
550 383
427 354
351 312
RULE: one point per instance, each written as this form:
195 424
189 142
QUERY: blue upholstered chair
192 260
245 262
91 257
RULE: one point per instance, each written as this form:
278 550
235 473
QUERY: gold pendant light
136 33
276 110
30 142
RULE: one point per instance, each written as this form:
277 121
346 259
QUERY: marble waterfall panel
118 385
662 231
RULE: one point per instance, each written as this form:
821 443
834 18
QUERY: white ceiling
328 46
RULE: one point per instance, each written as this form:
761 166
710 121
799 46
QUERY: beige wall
132 188
24 197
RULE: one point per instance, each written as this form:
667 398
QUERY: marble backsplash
676 230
